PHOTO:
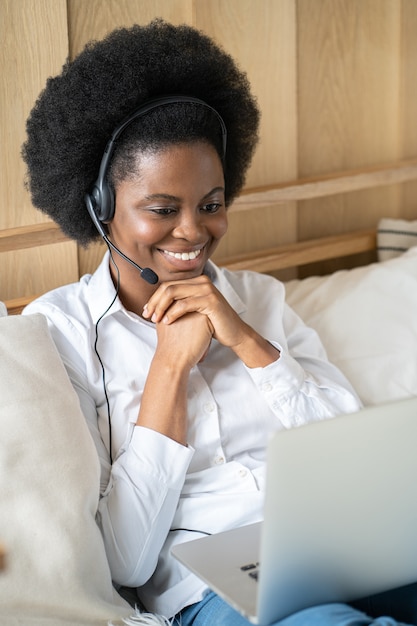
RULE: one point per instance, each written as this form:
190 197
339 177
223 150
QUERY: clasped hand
189 313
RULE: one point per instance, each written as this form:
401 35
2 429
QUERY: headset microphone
145 272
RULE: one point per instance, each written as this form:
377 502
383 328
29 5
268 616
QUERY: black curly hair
76 113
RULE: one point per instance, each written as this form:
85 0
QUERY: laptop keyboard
252 569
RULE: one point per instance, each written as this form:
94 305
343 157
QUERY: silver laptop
340 519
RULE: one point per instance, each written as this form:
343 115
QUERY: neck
134 292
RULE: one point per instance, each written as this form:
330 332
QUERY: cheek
147 232
221 227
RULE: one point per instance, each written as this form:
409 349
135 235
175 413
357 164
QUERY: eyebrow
167 196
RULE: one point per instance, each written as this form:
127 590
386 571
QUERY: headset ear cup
103 201
91 204
106 208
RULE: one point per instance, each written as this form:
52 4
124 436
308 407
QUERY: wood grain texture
34 46
93 19
303 252
37 270
375 176
349 85
408 95
30 236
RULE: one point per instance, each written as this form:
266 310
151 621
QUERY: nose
190 226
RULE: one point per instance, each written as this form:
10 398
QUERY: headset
100 202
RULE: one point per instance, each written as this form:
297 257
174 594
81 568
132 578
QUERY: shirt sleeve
139 491
302 385
136 510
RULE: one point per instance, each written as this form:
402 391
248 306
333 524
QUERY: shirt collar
102 299
101 292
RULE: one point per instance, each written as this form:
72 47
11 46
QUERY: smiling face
171 215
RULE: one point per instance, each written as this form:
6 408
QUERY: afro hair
76 113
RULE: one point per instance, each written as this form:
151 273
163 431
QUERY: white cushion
56 568
367 320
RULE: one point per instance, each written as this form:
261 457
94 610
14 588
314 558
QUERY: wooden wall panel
38 270
93 19
34 46
349 86
408 94
348 83
28 54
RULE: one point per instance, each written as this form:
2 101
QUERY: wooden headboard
266 260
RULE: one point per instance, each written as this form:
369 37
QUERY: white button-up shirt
158 492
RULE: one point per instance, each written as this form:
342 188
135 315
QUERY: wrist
255 351
174 366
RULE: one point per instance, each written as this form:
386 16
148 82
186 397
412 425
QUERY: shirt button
219 460
209 407
243 473
266 387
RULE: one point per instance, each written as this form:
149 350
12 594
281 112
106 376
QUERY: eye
164 211
212 207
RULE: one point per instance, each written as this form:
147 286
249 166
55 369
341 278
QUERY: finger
179 308
157 308
169 293
188 340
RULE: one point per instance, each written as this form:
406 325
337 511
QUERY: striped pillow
395 236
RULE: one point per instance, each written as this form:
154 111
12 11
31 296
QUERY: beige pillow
367 320
56 568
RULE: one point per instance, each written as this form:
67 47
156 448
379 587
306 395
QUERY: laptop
340 518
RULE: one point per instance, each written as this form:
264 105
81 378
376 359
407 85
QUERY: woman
183 369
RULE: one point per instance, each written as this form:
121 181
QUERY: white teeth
184 256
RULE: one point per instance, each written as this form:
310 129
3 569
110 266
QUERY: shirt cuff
156 455
278 380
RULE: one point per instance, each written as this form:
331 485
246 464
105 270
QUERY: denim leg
213 611
336 615
400 602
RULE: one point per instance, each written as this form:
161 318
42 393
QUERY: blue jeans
394 608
